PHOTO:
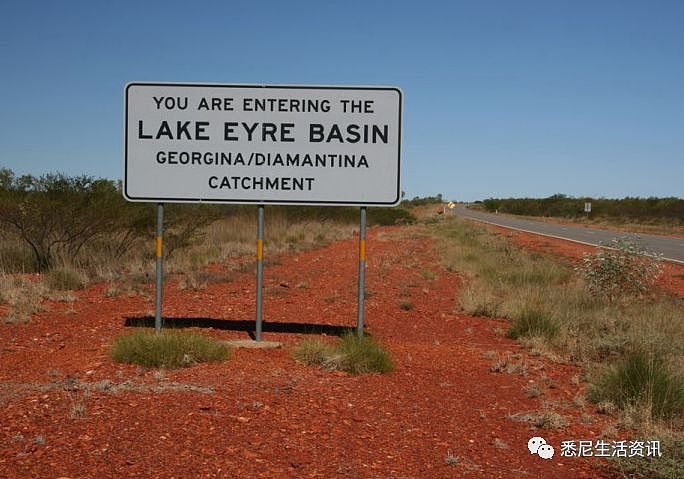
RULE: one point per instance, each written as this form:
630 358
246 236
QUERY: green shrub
65 278
363 355
351 353
626 269
642 379
533 322
168 350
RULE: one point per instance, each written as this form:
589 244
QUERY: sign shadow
246 326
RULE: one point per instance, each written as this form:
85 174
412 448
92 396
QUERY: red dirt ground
68 411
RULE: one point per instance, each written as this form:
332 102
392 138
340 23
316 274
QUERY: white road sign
262 144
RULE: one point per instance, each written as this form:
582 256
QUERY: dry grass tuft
509 364
532 390
167 350
544 419
23 296
65 278
351 353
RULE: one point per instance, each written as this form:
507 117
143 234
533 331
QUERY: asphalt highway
672 248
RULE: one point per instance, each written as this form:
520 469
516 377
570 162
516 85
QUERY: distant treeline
56 216
559 205
422 200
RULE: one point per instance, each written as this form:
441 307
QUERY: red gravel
261 414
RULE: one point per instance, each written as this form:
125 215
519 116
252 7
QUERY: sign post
362 272
160 269
587 208
262 144
260 273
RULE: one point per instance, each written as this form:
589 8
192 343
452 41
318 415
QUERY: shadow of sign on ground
246 326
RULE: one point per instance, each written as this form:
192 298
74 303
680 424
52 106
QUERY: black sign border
271 202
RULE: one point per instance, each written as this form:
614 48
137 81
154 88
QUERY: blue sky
501 98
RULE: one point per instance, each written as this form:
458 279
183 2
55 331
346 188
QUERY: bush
314 352
23 296
57 216
352 354
389 216
65 279
642 379
533 322
363 355
641 209
168 350
627 269
669 466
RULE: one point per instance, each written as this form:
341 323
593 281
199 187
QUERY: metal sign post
260 273
362 271
160 269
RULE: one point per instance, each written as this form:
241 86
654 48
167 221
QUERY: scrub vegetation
167 350
70 231
603 315
351 353
666 210
637 215
624 269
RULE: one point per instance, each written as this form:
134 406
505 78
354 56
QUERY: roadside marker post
362 271
160 269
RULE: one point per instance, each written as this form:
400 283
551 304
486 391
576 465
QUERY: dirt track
67 410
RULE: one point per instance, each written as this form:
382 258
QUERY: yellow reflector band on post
159 246
362 250
260 250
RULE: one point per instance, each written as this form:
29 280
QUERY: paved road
671 248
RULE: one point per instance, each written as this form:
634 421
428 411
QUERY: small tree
57 215
625 269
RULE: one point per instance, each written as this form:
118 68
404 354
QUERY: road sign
587 207
273 144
